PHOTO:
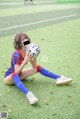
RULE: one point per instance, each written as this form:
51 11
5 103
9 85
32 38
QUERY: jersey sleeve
15 58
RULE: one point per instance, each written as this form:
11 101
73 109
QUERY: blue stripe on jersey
15 59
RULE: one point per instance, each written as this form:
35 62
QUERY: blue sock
47 73
19 83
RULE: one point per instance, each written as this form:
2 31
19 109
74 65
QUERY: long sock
47 73
19 83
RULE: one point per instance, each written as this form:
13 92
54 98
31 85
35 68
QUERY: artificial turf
60 53
61 44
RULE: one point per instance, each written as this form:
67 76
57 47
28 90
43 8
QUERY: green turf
61 44
24 10
34 9
68 1
31 14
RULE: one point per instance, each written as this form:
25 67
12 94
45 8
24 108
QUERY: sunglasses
26 42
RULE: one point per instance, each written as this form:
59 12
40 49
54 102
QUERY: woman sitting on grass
16 74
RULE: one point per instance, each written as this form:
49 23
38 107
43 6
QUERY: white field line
38 22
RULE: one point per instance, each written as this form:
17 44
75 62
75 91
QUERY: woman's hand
26 58
32 60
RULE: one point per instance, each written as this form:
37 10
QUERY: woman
19 59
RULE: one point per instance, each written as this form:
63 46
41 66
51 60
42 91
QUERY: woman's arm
18 68
33 62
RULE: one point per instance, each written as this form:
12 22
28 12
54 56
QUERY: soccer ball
33 50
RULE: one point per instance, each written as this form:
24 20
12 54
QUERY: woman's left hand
32 59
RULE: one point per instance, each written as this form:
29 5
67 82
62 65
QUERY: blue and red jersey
17 58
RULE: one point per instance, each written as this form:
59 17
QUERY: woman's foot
31 98
63 80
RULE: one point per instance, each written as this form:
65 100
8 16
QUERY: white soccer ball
33 50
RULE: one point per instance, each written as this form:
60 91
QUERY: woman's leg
14 78
17 81
60 80
28 72
24 74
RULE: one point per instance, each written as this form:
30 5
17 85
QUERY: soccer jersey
17 58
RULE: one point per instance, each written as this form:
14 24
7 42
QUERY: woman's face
25 42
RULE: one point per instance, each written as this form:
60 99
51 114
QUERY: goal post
28 2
